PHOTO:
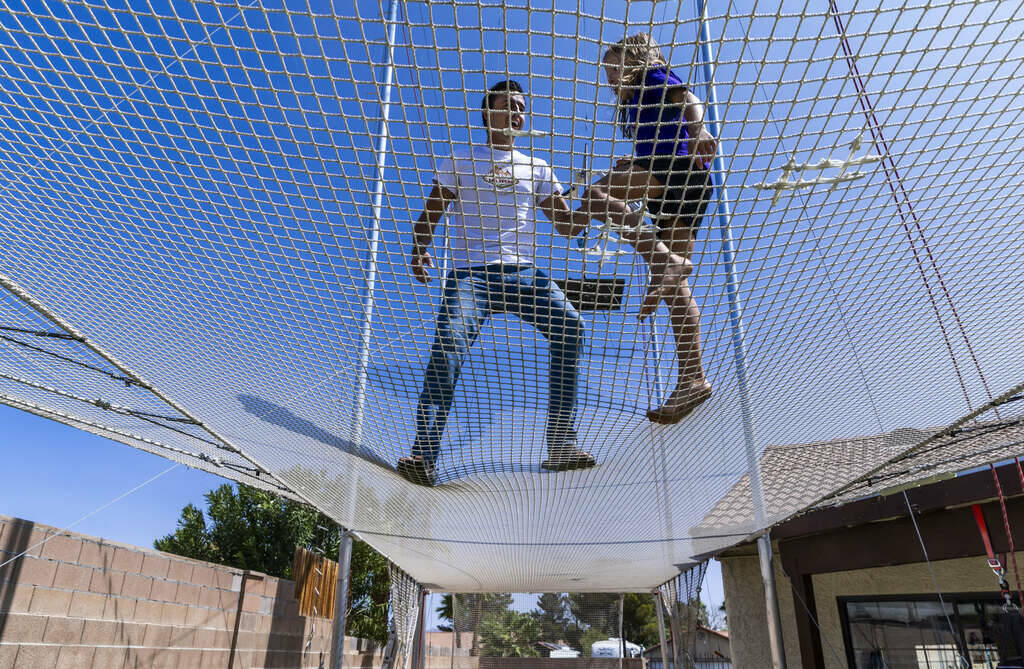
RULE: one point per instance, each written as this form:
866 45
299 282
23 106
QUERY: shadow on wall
283 417
16 539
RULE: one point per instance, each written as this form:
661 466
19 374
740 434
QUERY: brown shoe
417 470
566 458
680 405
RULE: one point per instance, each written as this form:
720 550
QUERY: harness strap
993 561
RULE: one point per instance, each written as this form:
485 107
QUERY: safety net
207 214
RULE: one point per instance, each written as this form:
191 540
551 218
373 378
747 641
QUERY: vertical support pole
739 348
661 628
341 600
421 640
378 196
622 636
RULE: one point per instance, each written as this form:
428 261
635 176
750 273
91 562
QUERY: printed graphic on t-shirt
501 178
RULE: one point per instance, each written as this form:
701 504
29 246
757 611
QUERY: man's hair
507 87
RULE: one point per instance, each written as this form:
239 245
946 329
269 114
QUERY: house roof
802 477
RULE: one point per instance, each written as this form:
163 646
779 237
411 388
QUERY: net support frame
663 640
724 216
341 600
366 334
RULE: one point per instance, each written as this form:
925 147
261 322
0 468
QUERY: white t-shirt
494 216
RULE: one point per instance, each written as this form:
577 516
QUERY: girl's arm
701 143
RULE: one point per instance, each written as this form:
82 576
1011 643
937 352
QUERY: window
919 632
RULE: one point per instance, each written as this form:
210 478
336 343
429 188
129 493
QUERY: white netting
406 608
190 186
552 624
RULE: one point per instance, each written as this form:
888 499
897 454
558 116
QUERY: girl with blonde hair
672 152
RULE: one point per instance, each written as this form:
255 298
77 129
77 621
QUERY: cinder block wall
78 601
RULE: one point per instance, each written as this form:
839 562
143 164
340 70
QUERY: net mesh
190 187
406 608
553 624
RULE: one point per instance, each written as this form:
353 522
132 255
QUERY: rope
1009 533
888 164
91 514
935 582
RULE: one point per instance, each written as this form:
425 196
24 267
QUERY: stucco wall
953 576
748 616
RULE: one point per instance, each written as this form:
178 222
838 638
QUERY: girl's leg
692 388
606 201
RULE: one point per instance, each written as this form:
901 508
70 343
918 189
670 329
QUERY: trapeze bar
792 166
509 132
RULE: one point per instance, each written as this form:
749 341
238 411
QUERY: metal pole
739 349
341 600
661 628
378 196
421 647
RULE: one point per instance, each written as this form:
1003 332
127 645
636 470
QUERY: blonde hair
639 52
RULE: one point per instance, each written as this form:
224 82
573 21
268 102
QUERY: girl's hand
703 147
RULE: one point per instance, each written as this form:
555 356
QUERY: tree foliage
509 634
258 530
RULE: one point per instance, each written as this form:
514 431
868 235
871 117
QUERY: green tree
444 612
639 619
509 634
469 610
258 530
552 613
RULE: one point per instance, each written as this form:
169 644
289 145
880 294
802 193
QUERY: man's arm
423 231
567 222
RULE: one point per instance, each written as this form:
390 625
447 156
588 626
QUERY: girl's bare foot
665 282
681 403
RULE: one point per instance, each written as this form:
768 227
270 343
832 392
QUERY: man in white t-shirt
495 192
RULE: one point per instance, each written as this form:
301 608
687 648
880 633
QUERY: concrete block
38 657
129 634
33 571
183 637
98 555
155 566
128 560
251 603
8 656
50 602
228 580
157 636
87 605
136 586
99 632
63 548
172 614
75 656
110 658
119 608
72 576
148 612
214 659
164 590
204 576
205 638
106 582
187 594
23 628
19 597
189 658
180 570
63 631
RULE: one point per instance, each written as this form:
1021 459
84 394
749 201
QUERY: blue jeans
470 296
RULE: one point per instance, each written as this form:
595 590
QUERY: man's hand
419 262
